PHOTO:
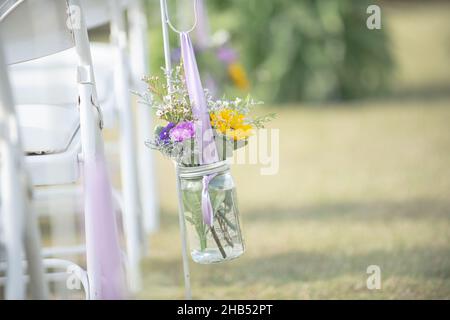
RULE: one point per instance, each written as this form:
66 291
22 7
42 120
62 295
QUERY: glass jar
220 239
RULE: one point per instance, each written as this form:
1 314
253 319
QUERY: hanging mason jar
217 237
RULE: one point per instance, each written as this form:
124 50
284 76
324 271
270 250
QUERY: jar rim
202 170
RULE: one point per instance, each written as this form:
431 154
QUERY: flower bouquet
199 133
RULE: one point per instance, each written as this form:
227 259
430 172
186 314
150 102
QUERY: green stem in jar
192 205
221 213
202 238
224 228
219 245
201 232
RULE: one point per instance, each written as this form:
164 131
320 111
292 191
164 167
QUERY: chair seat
58 168
47 129
46 93
51 139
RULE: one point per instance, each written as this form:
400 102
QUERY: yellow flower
240 133
226 114
237 121
238 76
231 123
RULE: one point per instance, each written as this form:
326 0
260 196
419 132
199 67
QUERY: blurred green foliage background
311 49
302 50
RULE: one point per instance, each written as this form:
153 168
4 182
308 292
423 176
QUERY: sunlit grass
420 41
358 185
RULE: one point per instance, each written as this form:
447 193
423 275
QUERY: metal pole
184 247
165 31
184 253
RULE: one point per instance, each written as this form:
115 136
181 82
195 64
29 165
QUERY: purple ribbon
207 209
204 136
104 259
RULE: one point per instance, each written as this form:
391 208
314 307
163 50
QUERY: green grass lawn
420 42
358 185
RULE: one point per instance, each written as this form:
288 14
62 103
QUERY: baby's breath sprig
259 122
173 106
242 106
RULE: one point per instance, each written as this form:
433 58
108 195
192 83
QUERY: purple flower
164 133
227 54
184 130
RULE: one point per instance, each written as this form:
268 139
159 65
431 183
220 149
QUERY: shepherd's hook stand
184 248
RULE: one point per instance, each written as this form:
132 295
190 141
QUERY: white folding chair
129 68
138 189
58 139
18 223
101 12
110 62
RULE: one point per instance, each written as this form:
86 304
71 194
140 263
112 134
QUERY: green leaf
189 219
158 129
217 198
192 203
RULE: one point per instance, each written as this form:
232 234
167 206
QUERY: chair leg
12 221
104 263
20 227
63 232
130 194
38 285
139 57
104 260
147 179
16 221
128 163
73 275
132 264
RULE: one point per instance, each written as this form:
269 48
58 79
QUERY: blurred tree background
302 50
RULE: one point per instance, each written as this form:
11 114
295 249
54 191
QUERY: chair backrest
6 97
31 29
98 12
52 79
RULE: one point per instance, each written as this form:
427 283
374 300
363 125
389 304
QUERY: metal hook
172 26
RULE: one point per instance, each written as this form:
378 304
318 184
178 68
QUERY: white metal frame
92 145
92 151
137 164
139 55
102 249
184 247
139 199
113 13
18 220
128 163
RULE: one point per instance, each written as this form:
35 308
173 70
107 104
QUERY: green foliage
309 49
192 203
